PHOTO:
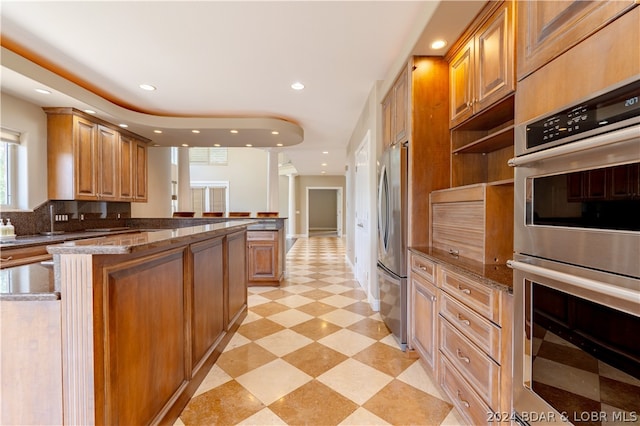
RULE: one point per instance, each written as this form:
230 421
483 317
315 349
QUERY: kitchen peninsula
142 317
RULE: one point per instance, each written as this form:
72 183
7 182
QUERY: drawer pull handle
464 290
6 259
464 402
454 252
462 356
423 268
463 320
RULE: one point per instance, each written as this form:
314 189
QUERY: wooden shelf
492 142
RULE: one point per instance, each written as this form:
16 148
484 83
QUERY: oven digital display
613 107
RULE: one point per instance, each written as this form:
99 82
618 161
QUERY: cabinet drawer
482 299
262 235
24 256
423 267
469 404
479 370
479 330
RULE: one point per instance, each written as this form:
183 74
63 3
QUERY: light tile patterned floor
313 352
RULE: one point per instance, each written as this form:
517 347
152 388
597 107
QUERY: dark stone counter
499 277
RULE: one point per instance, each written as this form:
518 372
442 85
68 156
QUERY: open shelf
482 145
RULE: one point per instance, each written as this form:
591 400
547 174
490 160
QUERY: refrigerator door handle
383 209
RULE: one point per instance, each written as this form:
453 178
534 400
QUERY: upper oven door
579 203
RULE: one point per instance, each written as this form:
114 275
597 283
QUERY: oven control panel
599 112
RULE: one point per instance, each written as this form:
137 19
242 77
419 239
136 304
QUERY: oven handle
621 135
586 283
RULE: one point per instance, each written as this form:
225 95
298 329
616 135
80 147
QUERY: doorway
324 211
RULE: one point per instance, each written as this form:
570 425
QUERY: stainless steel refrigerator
392 240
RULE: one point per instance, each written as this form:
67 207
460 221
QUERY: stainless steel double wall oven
577 259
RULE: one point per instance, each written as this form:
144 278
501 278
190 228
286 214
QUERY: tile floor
313 352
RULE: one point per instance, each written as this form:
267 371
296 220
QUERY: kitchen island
142 317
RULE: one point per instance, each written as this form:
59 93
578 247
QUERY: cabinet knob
464 290
464 402
423 268
463 320
462 356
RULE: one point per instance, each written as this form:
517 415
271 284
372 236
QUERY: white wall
246 172
31 121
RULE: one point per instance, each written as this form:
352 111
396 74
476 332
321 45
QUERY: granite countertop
28 282
498 276
134 242
35 281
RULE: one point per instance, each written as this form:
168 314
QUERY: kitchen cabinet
423 310
481 68
235 254
264 260
394 112
475 354
207 316
474 222
547 29
88 160
108 147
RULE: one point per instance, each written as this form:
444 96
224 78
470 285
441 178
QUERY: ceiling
223 65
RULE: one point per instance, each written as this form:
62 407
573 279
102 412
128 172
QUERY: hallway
313 352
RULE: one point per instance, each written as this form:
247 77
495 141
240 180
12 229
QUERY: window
8 142
211 156
209 197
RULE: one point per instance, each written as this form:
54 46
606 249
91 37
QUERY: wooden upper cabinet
108 149
546 29
85 168
88 159
395 110
401 96
461 84
481 71
127 153
141 184
387 114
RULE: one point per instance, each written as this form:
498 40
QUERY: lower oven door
576 345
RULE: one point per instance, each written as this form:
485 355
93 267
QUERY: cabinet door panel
425 317
107 163
237 276
546 29
207 299
387 126
140 172
461 85
126 168
401 93
494 58
85 159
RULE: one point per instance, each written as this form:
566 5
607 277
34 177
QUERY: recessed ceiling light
89 111
249 145
43 91
323 164
216 144
195 131
325 152
279 144
185 144
438 44
148 87
124 126
275 132
323 172
156 144
157 131
297 86
233 131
